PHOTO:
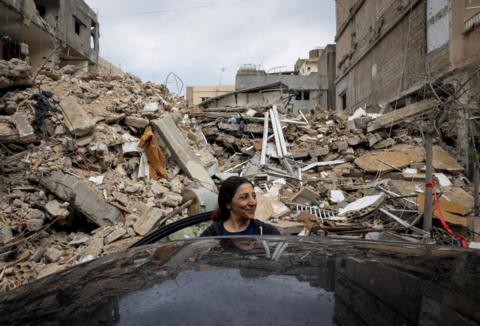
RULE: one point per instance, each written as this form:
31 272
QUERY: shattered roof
246 90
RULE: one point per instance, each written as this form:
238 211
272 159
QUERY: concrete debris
383 161
78 194
76 119
443 161
362 206
14 72
121 157
53 254
73 158
337 196
115 235
56 209
400 115
136 122
147 220
264 209
305 195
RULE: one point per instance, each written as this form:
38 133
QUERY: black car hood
264 280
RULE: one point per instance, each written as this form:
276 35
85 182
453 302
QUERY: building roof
275 85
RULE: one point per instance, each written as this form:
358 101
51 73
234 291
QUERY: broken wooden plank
178 146
398 116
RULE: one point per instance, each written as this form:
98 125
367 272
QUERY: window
42 11
298 96
93 35
306 95
78 25
343 99
204 98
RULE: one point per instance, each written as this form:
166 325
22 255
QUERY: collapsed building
91 162
54 33
311 84
393 53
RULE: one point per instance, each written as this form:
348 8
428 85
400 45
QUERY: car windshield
130 124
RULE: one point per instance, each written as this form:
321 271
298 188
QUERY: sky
204 42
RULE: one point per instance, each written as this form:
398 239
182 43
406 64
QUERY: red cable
444 223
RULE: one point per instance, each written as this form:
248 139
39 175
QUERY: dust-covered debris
91 163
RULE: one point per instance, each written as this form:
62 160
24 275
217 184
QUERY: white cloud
197 38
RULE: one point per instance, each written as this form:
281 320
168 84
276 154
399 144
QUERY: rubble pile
361 176
91 163
82 171
14 71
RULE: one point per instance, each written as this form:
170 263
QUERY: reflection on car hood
265 280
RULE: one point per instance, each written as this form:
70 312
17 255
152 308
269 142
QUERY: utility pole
476 187
427 213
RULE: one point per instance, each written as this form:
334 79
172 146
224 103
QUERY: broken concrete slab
354 140
136 122
115 235
85 140
76 119
56 209
416 154
446 206
286 227
324 163
84 199
8 132
395 117
337 196
178 146
53 254
459 195
305 195
264 209
34 224
443 161
147 220
49 269
442 179
25 131
385 143
158 189
382 161
362 206
321 151
171 199
94 248
279 208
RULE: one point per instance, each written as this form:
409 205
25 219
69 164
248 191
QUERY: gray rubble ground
72 192
74 195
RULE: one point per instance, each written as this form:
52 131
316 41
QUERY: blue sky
205 41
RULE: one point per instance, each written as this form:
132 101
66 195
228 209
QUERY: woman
235 214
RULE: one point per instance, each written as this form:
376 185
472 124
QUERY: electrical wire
153 12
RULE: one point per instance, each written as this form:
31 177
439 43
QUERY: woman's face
244 202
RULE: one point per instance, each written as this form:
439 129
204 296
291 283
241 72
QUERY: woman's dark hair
227 190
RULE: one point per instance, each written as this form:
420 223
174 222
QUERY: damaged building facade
393 53
59 31
311 84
